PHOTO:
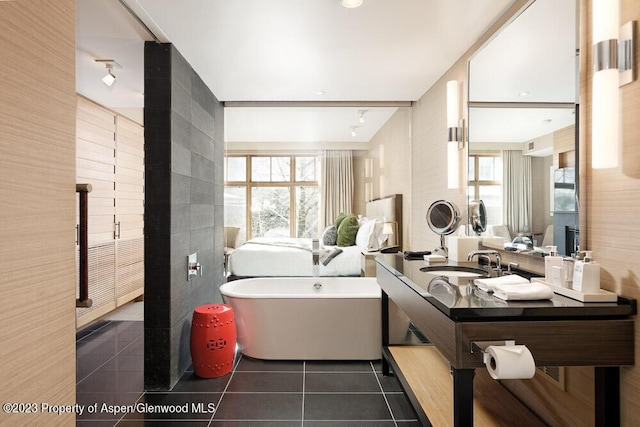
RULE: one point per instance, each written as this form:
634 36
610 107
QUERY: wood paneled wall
387 169
110 157
613 201
37 208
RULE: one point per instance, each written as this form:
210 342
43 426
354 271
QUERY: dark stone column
184 151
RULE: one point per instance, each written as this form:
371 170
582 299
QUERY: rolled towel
487 285
524 291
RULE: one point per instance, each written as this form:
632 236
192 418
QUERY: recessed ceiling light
524 93
351 3
320 92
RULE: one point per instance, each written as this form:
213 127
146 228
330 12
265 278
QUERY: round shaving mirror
477 216
443 217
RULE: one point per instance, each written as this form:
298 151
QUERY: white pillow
370 237
364 234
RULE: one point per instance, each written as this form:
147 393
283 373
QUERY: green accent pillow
339 219
347 231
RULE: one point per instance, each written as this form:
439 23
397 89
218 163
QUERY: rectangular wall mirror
523 108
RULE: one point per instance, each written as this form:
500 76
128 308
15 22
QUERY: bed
292 257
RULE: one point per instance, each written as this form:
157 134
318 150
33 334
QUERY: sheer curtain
337 184
517 189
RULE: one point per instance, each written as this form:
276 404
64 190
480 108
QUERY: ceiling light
351 3
361 113
353 131
110 78
524 93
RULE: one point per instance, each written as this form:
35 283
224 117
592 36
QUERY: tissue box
493 242
460 246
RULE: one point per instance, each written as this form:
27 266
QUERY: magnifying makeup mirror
477 216
443 218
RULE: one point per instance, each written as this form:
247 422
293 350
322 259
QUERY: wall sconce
454 130
612 67
110 78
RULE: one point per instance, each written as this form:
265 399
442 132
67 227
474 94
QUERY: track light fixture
110 78
361 113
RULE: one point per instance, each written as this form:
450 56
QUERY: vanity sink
455 271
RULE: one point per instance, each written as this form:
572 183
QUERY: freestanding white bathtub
287 318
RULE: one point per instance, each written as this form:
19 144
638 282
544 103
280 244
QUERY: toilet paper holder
481 346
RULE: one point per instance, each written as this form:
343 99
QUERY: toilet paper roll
508 362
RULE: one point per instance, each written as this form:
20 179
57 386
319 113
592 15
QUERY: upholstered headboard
389 208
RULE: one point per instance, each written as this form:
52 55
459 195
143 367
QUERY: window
272 196
485 182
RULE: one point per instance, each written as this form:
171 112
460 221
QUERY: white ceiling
285 50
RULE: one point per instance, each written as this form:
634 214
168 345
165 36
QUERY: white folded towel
487 285
524 291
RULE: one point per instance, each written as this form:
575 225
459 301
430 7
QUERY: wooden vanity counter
453 315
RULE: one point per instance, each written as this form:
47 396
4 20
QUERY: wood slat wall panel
129 176
111 158
102 287
130 161
125 197
126 187
96 152
96 134
130 266
37 200
131 143
92 113
92 165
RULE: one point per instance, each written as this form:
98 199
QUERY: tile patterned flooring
110 358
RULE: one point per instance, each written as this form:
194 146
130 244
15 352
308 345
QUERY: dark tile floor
257 393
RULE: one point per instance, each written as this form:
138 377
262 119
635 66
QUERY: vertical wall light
612 68
454 131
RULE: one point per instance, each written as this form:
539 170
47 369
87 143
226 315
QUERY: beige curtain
517 191
337 184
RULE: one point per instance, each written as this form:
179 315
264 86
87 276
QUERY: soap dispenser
586 275
550 261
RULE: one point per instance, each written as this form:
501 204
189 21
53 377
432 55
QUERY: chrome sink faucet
488 252
315 251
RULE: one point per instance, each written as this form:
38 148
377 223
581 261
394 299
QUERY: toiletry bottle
586 275
550 261
568 265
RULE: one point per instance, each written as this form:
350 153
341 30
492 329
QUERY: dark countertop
460 300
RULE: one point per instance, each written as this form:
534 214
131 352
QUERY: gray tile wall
183 208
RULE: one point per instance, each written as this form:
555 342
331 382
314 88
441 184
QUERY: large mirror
522 129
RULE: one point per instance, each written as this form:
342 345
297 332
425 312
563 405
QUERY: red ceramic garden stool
213 340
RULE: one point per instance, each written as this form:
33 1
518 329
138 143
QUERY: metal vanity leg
385 331
462 397
607 396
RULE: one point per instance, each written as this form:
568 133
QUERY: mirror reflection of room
522 141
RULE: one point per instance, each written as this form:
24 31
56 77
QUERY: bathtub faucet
315 248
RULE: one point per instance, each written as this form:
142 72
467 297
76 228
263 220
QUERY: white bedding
279 256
